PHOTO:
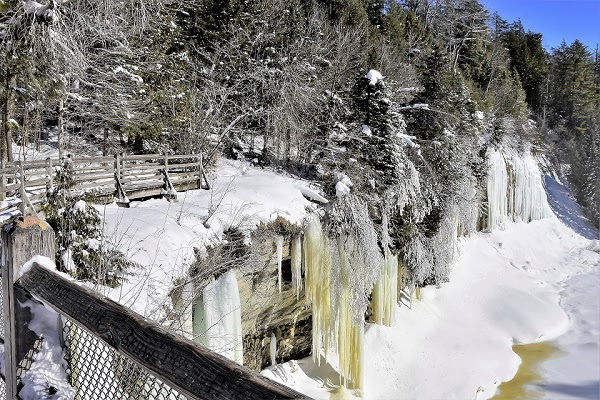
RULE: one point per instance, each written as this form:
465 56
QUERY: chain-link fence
2 383
97 371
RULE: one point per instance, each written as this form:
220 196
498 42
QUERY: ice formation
273 349
514 189
296 256
385 292
279 245
339 273
218 318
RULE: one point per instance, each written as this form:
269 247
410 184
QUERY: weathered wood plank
22 238
92 160
131 157
192 370
184 165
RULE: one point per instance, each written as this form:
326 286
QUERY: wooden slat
192 370
143 185
36 182
95 184
179 156
141 167
96 168
142 157
90 160
141 177
192 164
9 170
85 176
10 188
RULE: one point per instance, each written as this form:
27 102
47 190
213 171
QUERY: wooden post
22 206
120 194
22 238
170 193
202 172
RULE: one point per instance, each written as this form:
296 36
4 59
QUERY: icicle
317 261
331 282
279 244
296 256
218 318
497 187
273 349
385 292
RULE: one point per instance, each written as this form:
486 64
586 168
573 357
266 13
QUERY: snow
79 206
341 189
408 139
48 368
161 236
343 185
41 261
479 115
311 194
374 76
527 283
366 129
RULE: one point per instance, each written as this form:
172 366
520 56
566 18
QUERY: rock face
266 311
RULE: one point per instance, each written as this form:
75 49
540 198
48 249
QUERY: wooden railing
182 365
124 177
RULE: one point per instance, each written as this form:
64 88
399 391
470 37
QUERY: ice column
279 244
385 292
296 256
218 319
273 349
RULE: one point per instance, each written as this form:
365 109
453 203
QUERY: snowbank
457 342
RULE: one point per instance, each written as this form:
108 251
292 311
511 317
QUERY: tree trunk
38 125
25 126
61 133
8 111
105 143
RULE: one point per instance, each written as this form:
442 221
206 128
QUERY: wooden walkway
122 178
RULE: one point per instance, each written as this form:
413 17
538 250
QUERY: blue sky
554 19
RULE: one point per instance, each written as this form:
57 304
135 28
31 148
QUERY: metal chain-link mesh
2 383
97 371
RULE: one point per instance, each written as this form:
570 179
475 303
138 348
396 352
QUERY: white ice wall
218 317
514 189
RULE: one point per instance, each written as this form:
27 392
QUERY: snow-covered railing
24 184
110 351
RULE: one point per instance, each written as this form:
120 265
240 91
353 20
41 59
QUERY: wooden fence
123 177
180 364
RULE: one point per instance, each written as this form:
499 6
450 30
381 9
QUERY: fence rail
124 177
111 352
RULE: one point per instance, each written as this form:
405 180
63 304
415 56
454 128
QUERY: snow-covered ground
161 235
527 283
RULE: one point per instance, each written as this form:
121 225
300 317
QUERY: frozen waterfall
514 189
217 319
279 245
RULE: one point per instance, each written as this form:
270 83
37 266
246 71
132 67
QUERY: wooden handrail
194 371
